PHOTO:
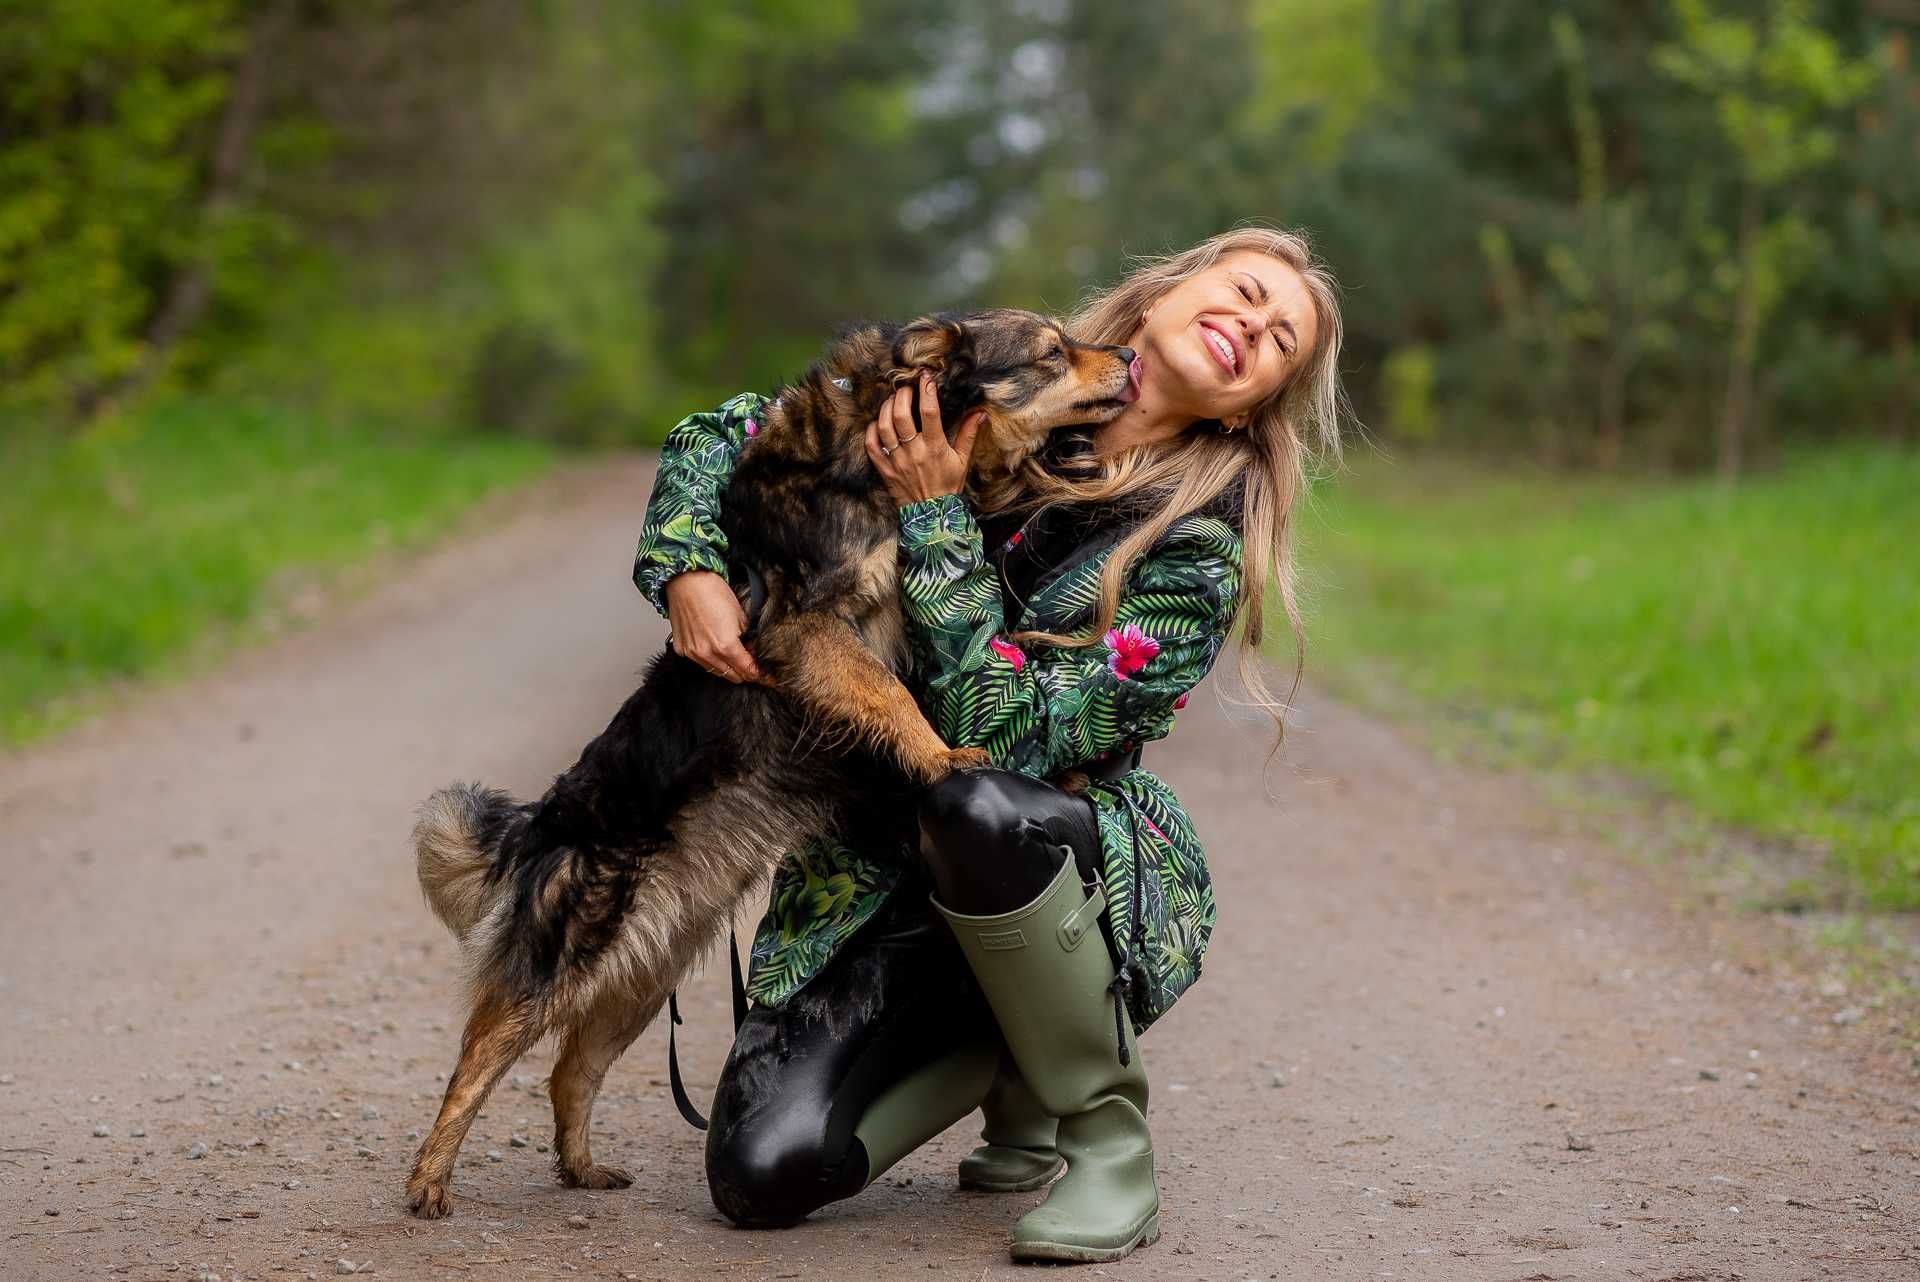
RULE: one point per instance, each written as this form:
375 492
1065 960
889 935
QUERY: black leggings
897 997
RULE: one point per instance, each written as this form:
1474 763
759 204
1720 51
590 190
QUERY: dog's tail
455 844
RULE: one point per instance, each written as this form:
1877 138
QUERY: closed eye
1278 342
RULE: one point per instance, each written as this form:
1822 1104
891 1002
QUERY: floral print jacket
1038 709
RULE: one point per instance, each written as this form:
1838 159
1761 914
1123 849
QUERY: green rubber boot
1046 973
923 1104
1018 1154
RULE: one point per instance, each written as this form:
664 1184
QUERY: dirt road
1441 1034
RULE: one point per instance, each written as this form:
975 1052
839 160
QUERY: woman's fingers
964 435
736 662
930 424
886 428
707 621
881 462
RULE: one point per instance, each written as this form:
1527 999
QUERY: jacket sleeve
681 530
1048 710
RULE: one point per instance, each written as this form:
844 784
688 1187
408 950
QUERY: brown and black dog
577 914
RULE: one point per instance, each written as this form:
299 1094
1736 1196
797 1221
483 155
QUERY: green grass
143 541
1754 652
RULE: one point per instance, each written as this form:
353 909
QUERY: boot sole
1074 1253
1015 1186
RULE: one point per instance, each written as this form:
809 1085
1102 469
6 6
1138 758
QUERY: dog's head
1023 370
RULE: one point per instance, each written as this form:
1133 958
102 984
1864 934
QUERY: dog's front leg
498 1032
822 664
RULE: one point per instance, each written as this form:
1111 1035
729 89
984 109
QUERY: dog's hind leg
587 1051
822 664
498 1032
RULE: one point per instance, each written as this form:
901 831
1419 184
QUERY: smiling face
1222 343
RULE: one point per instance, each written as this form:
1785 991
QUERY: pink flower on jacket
753 428
1181 702
1129 649
1009 651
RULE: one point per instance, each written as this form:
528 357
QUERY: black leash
680 1099
756 599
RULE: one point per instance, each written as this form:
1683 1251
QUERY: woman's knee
774 1174
984 838
970 810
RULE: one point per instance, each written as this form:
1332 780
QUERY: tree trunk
1738 409
1610 436
191 287
1900 416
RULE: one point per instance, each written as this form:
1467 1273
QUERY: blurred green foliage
1751 650
1605 232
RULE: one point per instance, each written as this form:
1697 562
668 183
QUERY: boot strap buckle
1082 919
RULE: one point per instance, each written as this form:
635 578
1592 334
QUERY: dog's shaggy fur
578 913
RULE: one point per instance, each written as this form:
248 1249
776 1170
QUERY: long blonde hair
1267 460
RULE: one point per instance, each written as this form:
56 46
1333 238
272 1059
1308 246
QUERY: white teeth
1222 346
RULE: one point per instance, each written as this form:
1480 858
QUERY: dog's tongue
1133 382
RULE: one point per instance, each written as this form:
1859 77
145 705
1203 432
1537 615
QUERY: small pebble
138 1132
1279 1079
1753 1081
493 1155
55 1211
344 1265
576 1221
519 1141
216 1079
6 1079
361 1150
1709 1074
198 1151
291 1184
1868 1146
1578 1143
368 1113
101 1131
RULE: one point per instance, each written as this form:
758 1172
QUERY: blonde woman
1012 960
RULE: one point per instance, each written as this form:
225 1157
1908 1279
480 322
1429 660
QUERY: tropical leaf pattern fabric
1038 709
682 527
1054 707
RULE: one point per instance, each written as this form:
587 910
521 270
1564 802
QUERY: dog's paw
430 1201
968 759
596 1177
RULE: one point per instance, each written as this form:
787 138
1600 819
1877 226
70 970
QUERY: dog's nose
1124 355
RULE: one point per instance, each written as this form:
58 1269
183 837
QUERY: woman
1060 632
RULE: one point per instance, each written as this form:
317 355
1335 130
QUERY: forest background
1633 289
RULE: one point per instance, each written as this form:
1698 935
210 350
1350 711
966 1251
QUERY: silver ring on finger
886 449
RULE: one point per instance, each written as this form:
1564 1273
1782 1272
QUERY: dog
579 913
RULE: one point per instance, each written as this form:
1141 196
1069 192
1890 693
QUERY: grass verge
1752 651
156 535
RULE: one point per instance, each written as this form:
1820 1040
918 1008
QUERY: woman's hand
707 622
920 465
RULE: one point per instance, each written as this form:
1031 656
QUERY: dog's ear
930 343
